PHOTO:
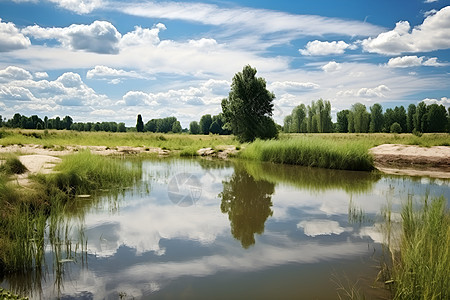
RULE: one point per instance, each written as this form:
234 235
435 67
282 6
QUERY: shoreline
395 159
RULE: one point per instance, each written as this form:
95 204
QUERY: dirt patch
412 160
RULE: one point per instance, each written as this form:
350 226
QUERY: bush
396 128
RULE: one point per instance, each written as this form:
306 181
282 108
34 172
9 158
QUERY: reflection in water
248 204
313 179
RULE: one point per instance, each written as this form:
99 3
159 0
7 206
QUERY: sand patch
412 160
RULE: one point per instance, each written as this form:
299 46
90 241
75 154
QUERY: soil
413 160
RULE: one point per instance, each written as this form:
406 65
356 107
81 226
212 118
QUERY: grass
419 268
12 165
58 138
24 212
312 152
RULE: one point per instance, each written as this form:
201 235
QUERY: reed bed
312 152
419 268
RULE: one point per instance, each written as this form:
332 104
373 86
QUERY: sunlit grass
313 152
419 268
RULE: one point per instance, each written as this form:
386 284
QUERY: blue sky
99 60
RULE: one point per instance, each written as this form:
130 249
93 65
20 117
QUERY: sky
100 60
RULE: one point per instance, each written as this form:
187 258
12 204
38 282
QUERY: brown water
199 229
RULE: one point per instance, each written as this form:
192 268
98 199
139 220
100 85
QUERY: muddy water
199 229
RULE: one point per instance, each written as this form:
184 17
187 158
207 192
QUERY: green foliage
396 128
176 127
342 121
421 264
410 118
376 118
205 124
248 105
12 165
360 118
314 152
139 124
194 128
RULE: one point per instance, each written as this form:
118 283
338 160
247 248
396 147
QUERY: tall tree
176 127
361 118
287 124
437 118
419 119
298 117
205 124
342 121
410 118
139 124
400 117
248 108
376 118
194 127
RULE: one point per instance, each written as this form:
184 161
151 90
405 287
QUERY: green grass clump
420 267
83 172
12 165
313 152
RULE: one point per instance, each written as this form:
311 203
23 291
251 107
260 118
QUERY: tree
298 119
376 118
205 124
139 124
176 127
342 121
215 128
66 122
410 118
437 118
151 125
361 118
400 117
419 120
396 128
121 127
248 106
287 124
194 127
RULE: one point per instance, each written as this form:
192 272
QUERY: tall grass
313 152
25 212
420 267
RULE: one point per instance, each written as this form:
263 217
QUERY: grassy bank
313 152
420 265
25 212
61 138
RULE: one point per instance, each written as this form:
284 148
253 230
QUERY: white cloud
78 6
330 67
142 36
377 92
430 1
413 61
113 75
432 34
40 75
324 48
99 37
443 101
15 93
293 86
11 38
14 73
430 13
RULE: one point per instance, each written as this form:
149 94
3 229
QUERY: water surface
213 229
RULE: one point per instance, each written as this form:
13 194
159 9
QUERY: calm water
212 229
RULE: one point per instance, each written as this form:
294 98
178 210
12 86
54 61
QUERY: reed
419 267
313 152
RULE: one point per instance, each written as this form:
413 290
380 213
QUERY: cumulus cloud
15 93
40 75
376 92
14 73
432 34
330 67
99 37
113 75
413 61
78 6
443 101
142 36
11 38
324 48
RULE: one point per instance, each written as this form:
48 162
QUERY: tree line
34 122
316 118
